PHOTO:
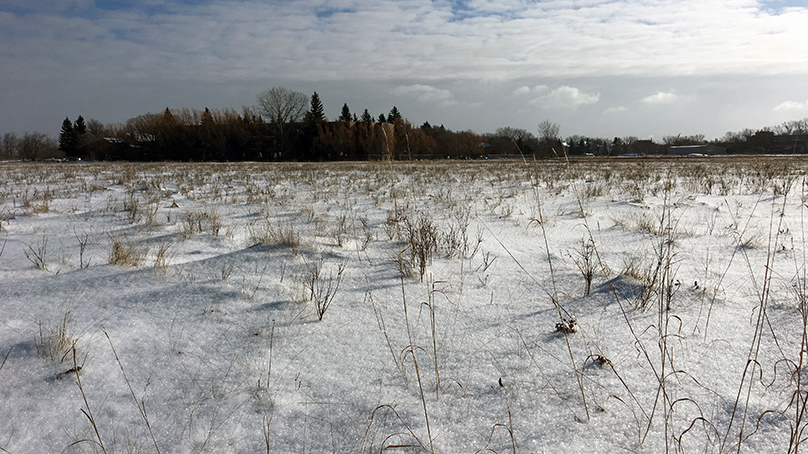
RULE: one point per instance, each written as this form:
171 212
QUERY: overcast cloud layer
600 68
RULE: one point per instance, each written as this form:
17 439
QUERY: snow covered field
405 307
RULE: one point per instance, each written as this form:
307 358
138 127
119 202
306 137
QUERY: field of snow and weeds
592 306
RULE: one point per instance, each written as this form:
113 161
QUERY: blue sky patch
327 13
777 7
151 8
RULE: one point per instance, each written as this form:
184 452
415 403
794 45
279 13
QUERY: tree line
285 125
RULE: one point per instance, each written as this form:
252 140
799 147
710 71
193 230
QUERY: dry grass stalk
124 252
55 341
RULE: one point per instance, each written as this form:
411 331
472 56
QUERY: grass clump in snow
268 234
55 340
125 252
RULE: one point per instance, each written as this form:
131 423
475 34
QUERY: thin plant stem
141 406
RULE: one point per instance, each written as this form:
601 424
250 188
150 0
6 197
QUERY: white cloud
660 98
421 45
409 39
426 93
566 97
792 106
524 90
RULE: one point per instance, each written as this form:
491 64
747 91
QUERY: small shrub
322 289
36 254
83 239
422 241
584 258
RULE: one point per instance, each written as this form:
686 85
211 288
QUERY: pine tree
67 137
310 146
315 114
366 117
345 116
168 117
79 127
79 137
382 119
394 115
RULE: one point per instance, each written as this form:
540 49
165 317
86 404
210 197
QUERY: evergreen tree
366 117
79 127
382 119
345 116
315 114
168 117
207 120
166 140
79 137
310 146
67 137
394 115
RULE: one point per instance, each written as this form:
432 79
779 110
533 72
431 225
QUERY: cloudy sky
603 68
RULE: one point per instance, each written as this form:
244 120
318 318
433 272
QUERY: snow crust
691 339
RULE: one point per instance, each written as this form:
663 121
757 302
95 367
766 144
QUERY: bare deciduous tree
548 131
549 138
792 127
95 128
35 145
678 140
281 107
9 146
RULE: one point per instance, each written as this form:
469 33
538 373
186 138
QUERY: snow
223 347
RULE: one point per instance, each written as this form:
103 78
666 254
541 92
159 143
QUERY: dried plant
422 241
322 289
36 253
585 261
55 341
83 239
124 252
161 259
